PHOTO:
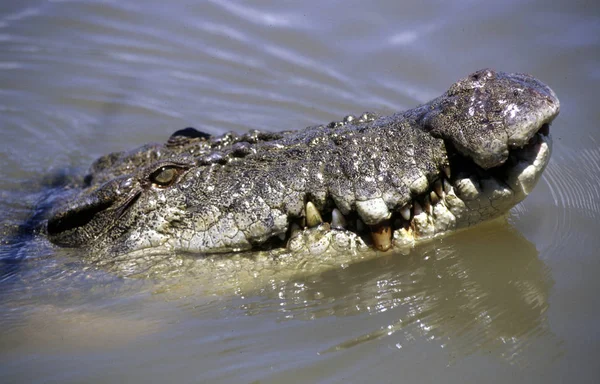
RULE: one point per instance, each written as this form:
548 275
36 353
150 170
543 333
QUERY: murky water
507 301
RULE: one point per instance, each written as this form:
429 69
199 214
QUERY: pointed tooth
405 212
294 229
447 186
447 171
337 219
427 205
439 188
417 210
281 236
313 217
381 234
434 198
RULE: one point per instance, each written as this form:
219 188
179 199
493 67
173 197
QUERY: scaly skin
463 158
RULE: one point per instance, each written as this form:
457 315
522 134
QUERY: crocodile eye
164 176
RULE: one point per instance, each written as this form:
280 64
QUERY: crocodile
364 182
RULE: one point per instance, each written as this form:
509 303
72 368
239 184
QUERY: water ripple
249 14
572 178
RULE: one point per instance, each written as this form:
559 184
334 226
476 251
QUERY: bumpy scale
464 157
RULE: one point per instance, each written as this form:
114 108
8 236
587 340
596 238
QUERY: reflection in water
479 289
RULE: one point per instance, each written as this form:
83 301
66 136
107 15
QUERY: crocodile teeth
294 229
427 205
405 212
447 171
439 188
434 197
337 219
313 217
381 234
447 186
417 208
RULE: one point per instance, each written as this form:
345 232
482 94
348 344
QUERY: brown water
509 301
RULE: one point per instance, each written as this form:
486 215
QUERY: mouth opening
378 236
431 213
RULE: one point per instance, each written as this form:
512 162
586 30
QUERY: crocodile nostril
74 218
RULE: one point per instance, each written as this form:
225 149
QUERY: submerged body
465 157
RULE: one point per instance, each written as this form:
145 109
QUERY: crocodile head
463 158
